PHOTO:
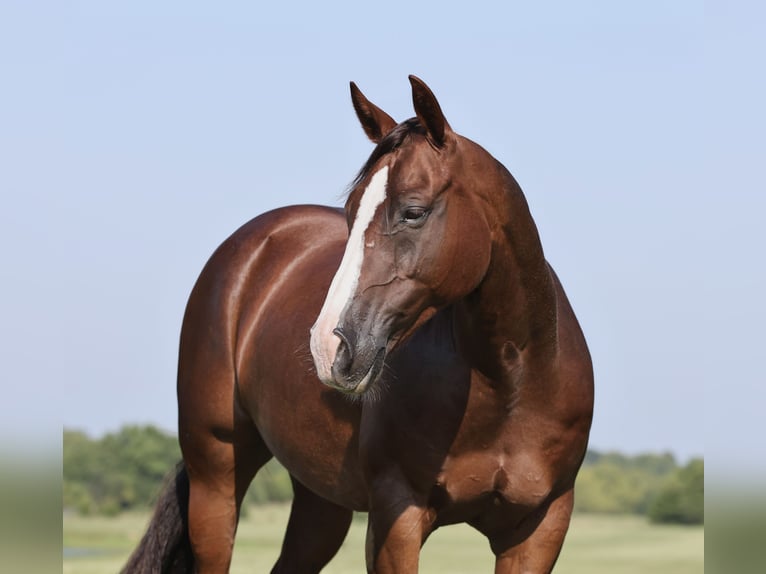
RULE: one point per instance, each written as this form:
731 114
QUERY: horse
412 356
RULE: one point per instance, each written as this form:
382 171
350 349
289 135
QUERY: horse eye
414 214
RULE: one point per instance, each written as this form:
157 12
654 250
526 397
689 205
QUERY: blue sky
135 136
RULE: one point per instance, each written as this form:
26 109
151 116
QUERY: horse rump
165 548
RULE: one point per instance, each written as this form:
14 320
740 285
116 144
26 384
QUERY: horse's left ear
430 113
375 122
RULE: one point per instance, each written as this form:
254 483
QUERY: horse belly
310 433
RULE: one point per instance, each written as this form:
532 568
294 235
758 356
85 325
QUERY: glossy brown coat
483 408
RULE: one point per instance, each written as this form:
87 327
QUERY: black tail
165 548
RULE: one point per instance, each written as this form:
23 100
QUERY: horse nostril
344 357
338 332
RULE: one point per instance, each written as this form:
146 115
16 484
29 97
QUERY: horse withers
458 386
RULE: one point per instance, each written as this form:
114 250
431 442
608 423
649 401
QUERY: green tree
682 499
119 471
617 484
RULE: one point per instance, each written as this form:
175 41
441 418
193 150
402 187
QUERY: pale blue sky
135 136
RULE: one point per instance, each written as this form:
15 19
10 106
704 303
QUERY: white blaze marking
324 343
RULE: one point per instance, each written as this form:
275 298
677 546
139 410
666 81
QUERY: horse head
419 239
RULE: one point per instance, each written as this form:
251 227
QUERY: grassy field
595 544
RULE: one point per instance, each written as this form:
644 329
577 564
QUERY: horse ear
376 122
429 112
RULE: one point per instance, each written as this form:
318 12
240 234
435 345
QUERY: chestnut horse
458 386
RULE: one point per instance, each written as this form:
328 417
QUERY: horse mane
388 144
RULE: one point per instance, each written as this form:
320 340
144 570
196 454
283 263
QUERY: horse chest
477 483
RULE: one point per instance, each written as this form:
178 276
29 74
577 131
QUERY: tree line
124 470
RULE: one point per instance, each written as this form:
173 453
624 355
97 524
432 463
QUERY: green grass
595 544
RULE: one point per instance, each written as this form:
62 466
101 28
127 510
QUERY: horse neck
513 311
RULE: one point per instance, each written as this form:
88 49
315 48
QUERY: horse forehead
419 169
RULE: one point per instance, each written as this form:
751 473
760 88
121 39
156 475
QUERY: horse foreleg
398 525
538 551
315 532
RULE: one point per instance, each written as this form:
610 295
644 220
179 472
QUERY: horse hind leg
220 468
315 531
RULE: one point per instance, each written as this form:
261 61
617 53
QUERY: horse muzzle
347 362
356 367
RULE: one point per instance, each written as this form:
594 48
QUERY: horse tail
165 548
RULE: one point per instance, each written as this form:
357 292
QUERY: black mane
389 143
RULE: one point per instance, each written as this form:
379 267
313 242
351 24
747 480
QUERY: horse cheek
466 253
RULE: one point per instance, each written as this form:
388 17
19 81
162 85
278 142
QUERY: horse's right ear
376 122
429 113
